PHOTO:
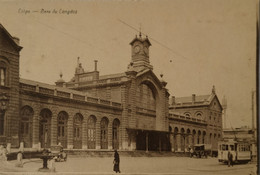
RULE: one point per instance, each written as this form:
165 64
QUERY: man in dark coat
230 159
116 162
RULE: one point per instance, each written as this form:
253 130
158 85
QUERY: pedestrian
116 162
230 159
191 152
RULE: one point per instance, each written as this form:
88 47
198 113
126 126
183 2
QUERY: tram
240 150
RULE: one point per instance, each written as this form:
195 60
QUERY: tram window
231 147
224 147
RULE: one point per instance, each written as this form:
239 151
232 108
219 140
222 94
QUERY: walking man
116 162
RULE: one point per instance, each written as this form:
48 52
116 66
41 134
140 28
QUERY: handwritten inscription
47 11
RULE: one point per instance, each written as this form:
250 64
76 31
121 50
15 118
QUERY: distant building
126 111
195 120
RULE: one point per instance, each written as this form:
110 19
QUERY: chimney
95 64
193 98
173 100
16 40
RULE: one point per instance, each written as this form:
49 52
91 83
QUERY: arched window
2 121
115 136
187 114
92 132
3 73
62 128
45 128
26 125
145 97
104 133
77 133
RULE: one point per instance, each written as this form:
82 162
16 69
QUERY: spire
78 62
213 90
140 30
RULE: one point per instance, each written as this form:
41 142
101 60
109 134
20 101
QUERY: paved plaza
133 165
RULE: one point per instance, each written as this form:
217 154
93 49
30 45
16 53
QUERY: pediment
215 104
149 76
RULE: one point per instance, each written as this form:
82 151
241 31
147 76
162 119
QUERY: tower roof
141 39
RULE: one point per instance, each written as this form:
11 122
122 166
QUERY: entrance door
26 126
62 129
77 131
45 129
104 132
115 139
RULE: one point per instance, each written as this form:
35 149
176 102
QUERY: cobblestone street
133 165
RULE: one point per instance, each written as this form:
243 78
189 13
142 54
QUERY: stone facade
195 120
126 111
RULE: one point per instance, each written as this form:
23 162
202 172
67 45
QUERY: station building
196 119
125 111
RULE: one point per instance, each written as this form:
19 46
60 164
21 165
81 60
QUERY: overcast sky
202 43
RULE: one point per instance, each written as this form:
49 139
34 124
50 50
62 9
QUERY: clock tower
140 52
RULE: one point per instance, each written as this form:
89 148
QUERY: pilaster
35 129
70 131
109 134
84 132
98 146
54 128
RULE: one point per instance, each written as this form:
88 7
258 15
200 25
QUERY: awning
147 130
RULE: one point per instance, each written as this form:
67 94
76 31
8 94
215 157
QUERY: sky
195 43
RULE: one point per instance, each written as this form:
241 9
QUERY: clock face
137 49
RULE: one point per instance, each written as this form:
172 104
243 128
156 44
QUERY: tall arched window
104 132
2 121
92 132
3 73
145 97
115 132
26 126
45 128
77 131
62 128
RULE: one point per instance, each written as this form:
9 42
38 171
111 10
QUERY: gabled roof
149 71
200 100
17 47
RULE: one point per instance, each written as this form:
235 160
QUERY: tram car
240 151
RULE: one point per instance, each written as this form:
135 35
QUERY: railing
66 93
190 103
181 117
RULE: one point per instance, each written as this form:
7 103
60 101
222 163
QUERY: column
160 143
178 140
54 129
123 140
109 135
70 131
190 140
98 132
146 142
84 133
132 135
35 130
172 142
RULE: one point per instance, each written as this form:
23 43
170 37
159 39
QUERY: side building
196 119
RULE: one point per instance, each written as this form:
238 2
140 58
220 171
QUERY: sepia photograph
129 86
